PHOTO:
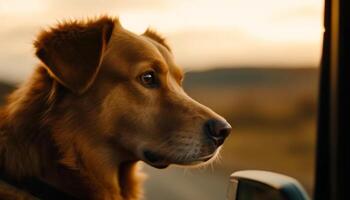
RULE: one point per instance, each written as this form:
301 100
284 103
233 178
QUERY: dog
101 100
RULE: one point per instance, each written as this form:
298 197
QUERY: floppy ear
72 51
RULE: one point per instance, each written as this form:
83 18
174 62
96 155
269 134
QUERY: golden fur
83 120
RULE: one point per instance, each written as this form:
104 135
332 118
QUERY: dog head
130 88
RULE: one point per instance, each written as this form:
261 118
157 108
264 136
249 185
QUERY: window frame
333 141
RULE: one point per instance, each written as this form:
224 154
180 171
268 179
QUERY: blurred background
253 61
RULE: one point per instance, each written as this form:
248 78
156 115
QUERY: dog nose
217 130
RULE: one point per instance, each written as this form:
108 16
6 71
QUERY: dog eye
148 79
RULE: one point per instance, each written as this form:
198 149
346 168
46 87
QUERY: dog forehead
168 58
135 49
132 47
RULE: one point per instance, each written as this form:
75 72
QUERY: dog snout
217 130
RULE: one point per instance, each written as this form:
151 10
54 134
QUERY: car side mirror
263 185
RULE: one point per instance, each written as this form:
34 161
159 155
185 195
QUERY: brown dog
102 100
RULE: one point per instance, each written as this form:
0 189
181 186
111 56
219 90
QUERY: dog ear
72 51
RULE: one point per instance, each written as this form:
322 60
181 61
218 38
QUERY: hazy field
272 112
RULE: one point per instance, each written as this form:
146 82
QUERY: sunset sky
202 33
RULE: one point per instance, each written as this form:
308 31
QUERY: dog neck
33 143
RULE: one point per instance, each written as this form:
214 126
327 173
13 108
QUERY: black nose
217 130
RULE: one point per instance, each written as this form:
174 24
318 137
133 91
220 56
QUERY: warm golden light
203 33
20 7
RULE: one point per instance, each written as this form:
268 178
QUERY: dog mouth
155 160
160 161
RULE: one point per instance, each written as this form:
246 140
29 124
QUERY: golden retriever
102 99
